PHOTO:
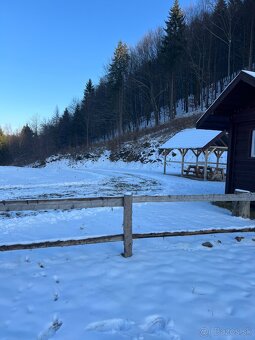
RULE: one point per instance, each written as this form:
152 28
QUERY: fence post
241 209
127 225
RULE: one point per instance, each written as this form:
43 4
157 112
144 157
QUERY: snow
190 138
250 73
172 288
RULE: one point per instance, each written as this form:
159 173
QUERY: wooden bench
198 170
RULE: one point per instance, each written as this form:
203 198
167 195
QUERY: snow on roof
250 73
190 138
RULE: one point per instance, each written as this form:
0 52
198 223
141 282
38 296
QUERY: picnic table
213 173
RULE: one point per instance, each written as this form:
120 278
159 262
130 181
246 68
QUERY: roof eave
216 124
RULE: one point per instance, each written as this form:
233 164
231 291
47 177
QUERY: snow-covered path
63 181
170 288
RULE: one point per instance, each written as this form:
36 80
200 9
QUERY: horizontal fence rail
244 197
63 204
117 238
104 202
241 207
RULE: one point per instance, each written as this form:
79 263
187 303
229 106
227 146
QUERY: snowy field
170 289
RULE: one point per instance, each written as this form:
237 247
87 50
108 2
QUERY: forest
179 68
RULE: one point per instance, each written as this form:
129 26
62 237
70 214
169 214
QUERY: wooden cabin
234 111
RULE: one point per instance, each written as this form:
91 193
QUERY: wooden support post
182 161
197 153
241 209
165 153
218 153
206 164
183 153
164 163
127 225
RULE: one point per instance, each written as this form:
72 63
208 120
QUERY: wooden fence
240 199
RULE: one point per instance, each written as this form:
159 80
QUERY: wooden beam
193 233
196 198
218 153
63 204
206 164
62 243
37 205
165 164
183 153
199 163
127 225
116 238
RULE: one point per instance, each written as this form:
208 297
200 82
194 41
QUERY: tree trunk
229 58
120 122
251 39
171 88
87 133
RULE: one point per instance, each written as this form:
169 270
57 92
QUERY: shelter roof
193 139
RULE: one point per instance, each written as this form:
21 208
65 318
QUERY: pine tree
174 41
64 130
173 47
78 127
118 70
27 145
5 156
89 89
87 107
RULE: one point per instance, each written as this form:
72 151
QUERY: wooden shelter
234 111
201 143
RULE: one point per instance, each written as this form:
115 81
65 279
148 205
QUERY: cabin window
253 144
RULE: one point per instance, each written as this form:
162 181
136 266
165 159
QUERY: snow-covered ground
170 289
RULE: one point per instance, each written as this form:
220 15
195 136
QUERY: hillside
140 147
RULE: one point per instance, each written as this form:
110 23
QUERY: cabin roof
250 73
193 139
237 95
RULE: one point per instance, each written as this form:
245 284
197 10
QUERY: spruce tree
174 41
5 156
89 89
64 130
27 145
78 127
173 47
87 107
118 70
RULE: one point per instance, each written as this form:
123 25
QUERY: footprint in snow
111 326
51 330
156 325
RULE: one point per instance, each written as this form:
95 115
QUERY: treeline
176 69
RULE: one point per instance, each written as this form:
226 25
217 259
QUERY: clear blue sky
50 48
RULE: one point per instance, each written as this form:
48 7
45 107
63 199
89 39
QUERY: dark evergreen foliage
5 156
174 41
